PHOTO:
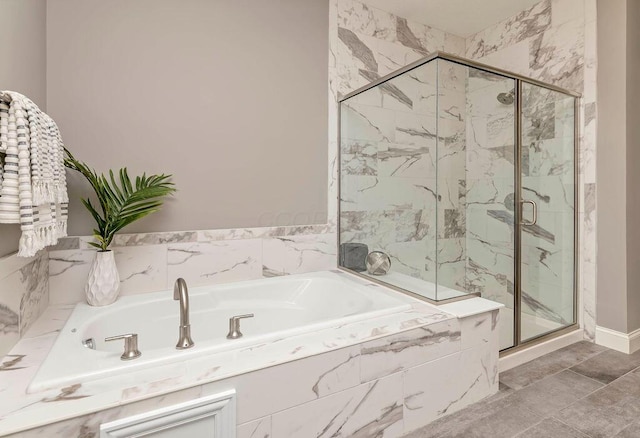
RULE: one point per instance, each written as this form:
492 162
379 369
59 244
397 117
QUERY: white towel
33 188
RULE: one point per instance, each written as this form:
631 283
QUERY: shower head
507 98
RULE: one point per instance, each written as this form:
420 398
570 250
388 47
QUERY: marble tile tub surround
372 377
152 262
24 295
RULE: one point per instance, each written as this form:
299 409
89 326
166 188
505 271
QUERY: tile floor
580 391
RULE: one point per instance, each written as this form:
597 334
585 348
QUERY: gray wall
618 300
22 68
633 161
230 96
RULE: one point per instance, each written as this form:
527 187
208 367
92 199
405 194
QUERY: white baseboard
619 341
512 360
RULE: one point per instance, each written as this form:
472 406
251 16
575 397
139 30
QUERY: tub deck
426 333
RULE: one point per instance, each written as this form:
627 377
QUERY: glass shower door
487 191
547 220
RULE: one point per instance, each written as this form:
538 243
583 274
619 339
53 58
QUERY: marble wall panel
24 296
554 41
216 262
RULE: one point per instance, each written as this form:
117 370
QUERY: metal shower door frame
517 226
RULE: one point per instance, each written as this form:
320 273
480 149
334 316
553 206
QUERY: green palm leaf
122 202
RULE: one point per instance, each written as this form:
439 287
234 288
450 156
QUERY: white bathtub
283 307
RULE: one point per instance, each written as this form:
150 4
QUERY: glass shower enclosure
458 179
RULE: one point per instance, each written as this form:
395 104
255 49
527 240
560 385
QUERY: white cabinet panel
208 417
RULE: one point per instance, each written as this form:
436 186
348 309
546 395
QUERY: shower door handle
535 213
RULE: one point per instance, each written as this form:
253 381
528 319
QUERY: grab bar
535 213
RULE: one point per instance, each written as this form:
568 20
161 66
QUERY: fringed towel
33 187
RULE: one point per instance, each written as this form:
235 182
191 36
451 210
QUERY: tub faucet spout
181 293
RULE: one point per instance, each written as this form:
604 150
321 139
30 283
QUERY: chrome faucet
181 293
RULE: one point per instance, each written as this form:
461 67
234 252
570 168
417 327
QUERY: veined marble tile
491 163
10 295
387 193
566 10
215 262
588 287
463 378
51 321
68 273
408 93
392 56
11 263
359 158
557 55
255 429
142 268
489 193
154 238
35 296
345 79
88 425
414 129
510 31
590 58
553 157
452 80
371 97
419 37
451 261
256 233
361 122
477 330
589 224
366 20
588 145
405 161
65 243
332 192
357 50
551 193
454 44
416 258
307 380
405 350
374 228
371 409
298 254
513 58
490 269
414 225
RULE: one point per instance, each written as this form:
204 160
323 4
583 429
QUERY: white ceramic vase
103 284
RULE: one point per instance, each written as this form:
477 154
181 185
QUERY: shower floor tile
580 391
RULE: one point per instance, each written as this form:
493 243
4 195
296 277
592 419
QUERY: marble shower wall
23 297
388 151
371 43
490 169
555 42
390 193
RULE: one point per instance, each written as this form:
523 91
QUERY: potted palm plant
121 202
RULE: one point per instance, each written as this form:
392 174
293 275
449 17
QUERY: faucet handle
234 325
130 345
